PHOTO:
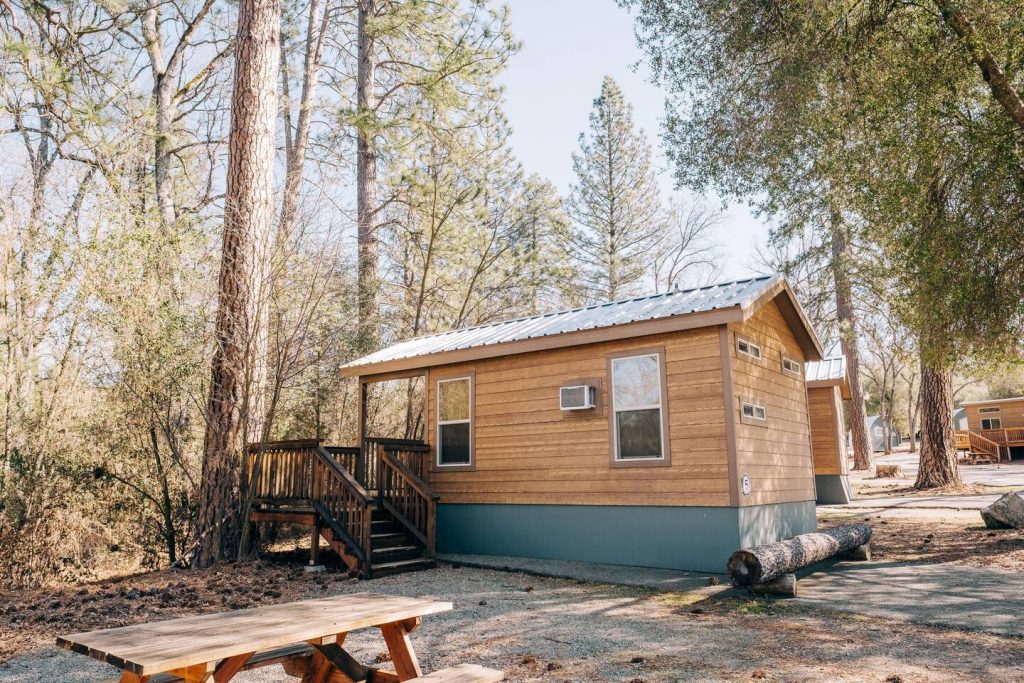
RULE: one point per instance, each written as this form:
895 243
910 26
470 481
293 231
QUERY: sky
568 46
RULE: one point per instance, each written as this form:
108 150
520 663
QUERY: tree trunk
236 376
913 402
841 253
766 563
366 183
316 31
938 466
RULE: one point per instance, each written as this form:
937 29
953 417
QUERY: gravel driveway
545 629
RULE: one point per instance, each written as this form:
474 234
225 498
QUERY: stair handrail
408 498
984 444
343 502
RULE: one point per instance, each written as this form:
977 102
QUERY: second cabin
661 431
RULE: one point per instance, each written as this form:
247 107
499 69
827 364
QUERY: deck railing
980 443
306 473
411 452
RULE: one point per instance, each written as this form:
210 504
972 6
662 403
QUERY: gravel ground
545 629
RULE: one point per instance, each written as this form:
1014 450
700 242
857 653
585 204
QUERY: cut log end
888 472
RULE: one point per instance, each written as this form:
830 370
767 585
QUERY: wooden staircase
371 505
978 448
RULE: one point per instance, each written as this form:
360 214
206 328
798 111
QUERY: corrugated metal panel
830 369
653 307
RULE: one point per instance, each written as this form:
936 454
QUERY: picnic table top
157 647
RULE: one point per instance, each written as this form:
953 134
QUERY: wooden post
361 459
314 542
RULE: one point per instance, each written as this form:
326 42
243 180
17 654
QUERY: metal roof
994 400
828 370
738 297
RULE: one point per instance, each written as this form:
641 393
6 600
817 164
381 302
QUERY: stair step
388 539
401 566
395 553
383 526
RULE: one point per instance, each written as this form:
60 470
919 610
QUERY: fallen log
785 586
766 563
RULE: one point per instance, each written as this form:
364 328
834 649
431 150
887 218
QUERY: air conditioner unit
582 397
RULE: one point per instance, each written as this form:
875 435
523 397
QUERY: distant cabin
876 434
1000 420
960 419
660 431
827 387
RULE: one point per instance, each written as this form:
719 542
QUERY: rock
1005 513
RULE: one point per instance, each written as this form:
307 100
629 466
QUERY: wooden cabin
827 387
661 431
998 421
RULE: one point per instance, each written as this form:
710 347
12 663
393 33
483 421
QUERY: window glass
637 382
636 398
454 431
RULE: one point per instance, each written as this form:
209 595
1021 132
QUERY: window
991 423
989 410
790 366
748 348
454 422
754 412
638 408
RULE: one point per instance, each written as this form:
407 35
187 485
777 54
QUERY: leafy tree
614 204
872 122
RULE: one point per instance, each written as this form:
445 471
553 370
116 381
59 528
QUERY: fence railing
406 496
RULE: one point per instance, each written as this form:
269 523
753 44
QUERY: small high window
637 393
991 423
994 409
748 348
454 422
790 366
753 411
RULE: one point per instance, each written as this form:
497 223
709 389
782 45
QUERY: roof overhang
779 291
843 383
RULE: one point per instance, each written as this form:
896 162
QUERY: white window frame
657 355
440 422
795 370
751 346
998 420
754 408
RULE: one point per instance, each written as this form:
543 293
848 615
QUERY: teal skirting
694 538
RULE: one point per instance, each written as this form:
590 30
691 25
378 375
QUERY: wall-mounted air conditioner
582 397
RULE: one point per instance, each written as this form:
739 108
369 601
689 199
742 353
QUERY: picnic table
304 637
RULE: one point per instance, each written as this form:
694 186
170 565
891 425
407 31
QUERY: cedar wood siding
528 451
827 439
776 456
1010 412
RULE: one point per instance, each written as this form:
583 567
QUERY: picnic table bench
305 637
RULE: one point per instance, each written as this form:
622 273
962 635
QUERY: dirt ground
539 629
880 490
957 542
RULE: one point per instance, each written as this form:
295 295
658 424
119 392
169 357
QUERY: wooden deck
989 445
371 505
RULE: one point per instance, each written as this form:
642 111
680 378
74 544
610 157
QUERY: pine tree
614 204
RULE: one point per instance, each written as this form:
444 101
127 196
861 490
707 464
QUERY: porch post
361 460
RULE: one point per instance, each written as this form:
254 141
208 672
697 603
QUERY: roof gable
640 316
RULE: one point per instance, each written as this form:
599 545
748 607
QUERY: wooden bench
464 673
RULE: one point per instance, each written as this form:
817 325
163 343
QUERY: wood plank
146 649
400 647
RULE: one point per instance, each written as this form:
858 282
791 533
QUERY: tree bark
998 82
366 182
766 563
938 466
848 338
316 32
236 377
